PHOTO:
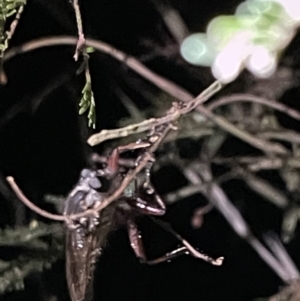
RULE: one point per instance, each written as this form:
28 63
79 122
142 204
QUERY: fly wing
73 268
81 253
82 250
84 235
72 204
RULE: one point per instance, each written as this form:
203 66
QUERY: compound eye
85 173
94 183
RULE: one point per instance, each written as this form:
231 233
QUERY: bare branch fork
142 162
165 122
147 124
174 113
276 153
280 262
169 87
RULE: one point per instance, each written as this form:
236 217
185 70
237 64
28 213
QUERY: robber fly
86 236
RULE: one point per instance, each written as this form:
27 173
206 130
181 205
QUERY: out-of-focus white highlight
229 62
292 8
253 8
262 63
196 49
253 38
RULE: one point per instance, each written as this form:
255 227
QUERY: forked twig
219 199
142 162
174 90
173 114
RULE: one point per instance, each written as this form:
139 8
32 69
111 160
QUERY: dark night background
42 144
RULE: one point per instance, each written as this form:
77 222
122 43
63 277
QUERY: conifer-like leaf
87 102
41 255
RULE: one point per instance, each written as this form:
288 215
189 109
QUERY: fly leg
112 162
151 204
189 248
144 199
138 248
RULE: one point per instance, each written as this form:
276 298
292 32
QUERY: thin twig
173 114
258 143
174 90
133 110
252 98
35 100
130 129
142 162
255 164
88 95
182 193
265 189
284 135
219 199
173 21
30 205
128 163
81 40
288 293
279 250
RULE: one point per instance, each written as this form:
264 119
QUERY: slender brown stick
174 90
81 40
256 164
30 205
165 85
220 201
172 20
258 143
142 162
252 98
174 113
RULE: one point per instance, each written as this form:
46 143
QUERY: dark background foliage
42 144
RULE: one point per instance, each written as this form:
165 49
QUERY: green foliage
253 38
14 272
7 9
38 253
87 102
90 49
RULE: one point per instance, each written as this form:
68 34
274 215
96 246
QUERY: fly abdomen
81 235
